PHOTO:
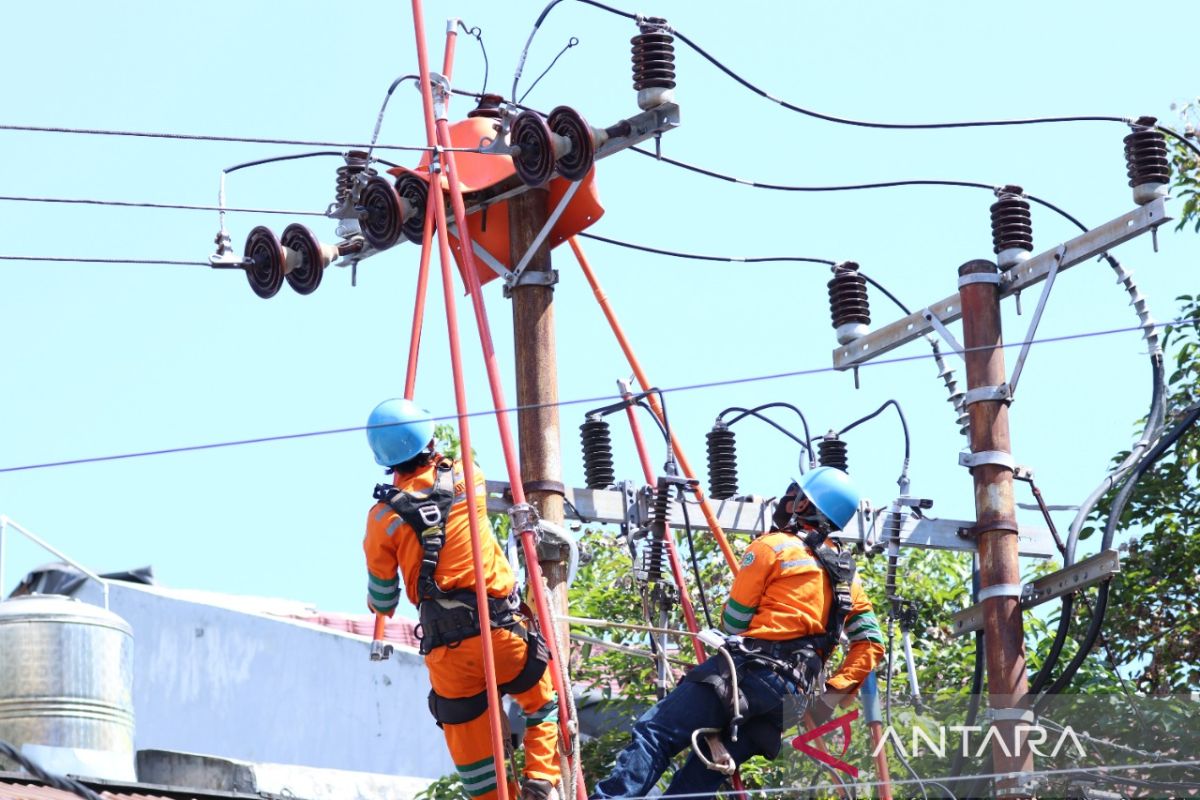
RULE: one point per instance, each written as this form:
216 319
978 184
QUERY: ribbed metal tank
66 676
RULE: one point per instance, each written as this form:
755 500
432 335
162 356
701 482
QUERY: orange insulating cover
479 171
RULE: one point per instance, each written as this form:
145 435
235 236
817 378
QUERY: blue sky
108 359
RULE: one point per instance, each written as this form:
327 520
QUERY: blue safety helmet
832 492
397 430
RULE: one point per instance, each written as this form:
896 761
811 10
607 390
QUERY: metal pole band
1001 590
979 277
994 457
982 394
524 518
997 525
530 278
554 487
1012 715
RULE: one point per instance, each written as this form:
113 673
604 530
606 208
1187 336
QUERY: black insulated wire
756 412
876 413
1114 519
477 32
703 257
572 42
697 577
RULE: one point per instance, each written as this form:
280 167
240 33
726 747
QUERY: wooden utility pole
537 387
996 525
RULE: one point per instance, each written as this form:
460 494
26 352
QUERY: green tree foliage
1186 169
1154 620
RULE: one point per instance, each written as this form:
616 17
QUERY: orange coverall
782 592
392 548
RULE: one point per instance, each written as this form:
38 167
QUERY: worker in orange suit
792 600
418 534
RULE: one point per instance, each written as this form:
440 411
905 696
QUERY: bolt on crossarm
996 526
705 507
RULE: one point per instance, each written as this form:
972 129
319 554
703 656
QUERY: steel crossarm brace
1080 575
1092 243
751 516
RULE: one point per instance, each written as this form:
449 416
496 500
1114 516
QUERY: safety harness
448 618
799 660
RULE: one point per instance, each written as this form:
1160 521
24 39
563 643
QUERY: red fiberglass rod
460 399
710 517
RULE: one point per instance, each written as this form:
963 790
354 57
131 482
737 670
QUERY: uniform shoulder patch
748 559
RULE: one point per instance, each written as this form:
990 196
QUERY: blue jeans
666 730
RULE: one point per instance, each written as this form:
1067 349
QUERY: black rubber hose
1114 519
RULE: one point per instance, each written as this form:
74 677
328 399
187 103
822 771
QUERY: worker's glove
824 706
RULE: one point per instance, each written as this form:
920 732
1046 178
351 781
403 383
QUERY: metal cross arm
1087 245
1087 572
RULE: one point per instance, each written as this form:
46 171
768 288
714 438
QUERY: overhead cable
595 400
701 257
72 260
198 137
173 206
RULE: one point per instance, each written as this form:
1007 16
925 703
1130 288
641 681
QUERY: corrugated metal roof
18 786
400 631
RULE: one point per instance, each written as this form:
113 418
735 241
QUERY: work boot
537 789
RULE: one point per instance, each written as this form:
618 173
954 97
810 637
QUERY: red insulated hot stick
525 531
378 648
705 507
435 188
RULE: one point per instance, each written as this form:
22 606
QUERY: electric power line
171 206
595 400
200 137
71 260
703 257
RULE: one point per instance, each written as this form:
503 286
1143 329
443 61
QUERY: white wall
209 679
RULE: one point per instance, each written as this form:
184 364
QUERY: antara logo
1034 736
842 722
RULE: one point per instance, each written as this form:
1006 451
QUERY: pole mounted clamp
997 458
979 277
439 86
1012 715
983 394
529 278
523 517
1001 590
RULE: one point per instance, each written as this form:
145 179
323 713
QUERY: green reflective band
480 789
472 773
733 626
383 583
378 597
731 613
384 605
734 604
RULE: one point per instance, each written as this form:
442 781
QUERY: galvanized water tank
66 685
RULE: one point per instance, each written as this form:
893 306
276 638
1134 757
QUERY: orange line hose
460 399
706 508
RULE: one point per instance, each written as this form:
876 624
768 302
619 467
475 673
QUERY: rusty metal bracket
1087 572
979 277
1000 590
523 517
515 278
982 394
1100 239
996 457
1059 255
932 318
